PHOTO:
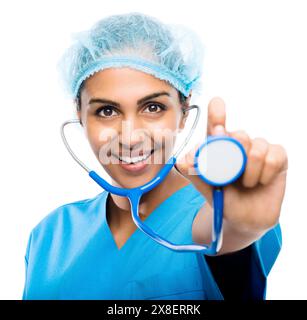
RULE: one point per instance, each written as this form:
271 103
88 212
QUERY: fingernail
219 130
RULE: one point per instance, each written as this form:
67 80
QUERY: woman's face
131 120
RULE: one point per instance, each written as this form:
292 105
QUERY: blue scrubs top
71 254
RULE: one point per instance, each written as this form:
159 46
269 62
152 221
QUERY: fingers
256 156
216 122
243 138
276 161
264 160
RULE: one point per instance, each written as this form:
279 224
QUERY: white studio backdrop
255 60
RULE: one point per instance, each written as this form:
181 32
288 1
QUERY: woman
132 78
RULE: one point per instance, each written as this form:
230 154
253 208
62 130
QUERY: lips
143 155
135 165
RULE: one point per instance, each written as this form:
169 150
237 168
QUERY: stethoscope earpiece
219 161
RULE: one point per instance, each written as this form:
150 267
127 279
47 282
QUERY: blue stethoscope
219 161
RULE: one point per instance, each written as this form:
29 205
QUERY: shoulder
70 214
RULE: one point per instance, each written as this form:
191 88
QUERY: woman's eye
107 112
153 108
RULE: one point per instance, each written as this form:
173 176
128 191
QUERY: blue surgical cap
173 53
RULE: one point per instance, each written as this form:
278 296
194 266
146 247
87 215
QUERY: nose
132 134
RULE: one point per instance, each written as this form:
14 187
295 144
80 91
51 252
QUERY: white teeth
134 159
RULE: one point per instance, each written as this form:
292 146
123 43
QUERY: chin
128 179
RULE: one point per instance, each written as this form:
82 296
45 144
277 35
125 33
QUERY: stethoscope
219 161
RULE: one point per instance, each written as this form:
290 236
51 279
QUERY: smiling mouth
133 160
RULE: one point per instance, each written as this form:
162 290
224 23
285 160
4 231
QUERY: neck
119 212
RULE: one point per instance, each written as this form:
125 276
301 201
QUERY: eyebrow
140 101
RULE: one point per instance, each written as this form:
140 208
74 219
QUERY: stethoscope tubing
134 195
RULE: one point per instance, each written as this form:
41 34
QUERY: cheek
167 129
165 124
93 139
100 136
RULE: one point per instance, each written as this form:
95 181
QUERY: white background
255 60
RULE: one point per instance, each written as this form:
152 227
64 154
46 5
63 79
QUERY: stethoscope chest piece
220 160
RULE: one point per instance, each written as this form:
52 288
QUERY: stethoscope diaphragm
220 160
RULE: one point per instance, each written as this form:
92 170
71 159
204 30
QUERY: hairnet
169 52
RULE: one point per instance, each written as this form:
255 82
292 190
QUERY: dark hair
78 97
182 97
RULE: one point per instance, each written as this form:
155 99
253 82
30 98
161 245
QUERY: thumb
219 130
